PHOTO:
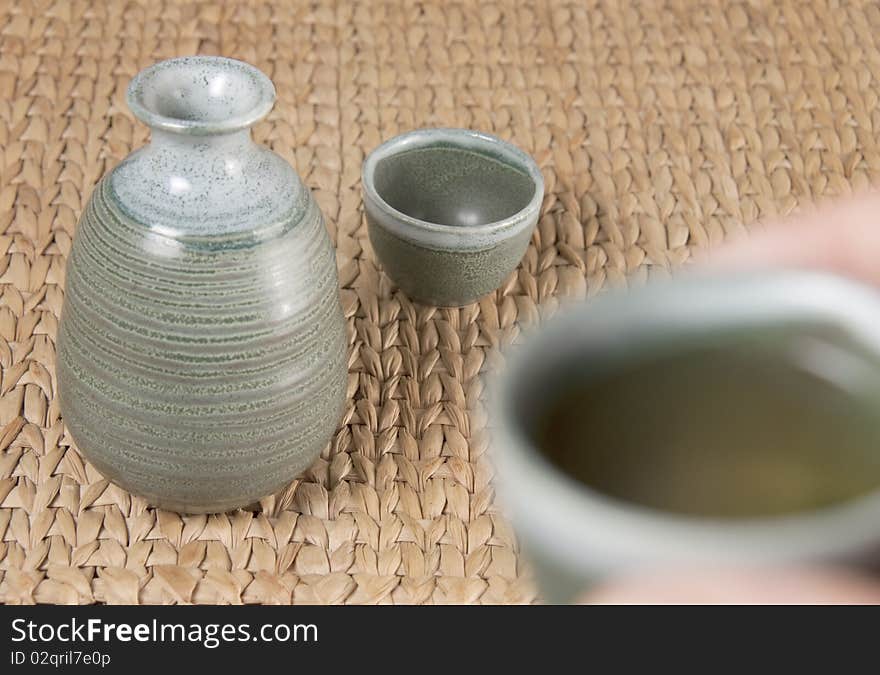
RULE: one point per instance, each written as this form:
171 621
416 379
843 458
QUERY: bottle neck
195 164
231 143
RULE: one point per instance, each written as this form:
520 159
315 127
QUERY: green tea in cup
727 431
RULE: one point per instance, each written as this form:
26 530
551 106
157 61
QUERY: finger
842 238
777 586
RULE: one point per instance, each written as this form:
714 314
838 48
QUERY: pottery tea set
202 350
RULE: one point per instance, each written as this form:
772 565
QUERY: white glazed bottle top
202 174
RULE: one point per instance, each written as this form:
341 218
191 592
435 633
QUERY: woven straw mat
660 127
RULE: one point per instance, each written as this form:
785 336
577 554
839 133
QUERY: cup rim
576 525
264 94
464 139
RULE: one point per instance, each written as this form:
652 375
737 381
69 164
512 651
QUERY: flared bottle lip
201 95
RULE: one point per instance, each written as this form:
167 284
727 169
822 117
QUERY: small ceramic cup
450 211
576 535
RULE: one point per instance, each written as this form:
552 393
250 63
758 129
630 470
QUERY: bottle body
201 375
202 350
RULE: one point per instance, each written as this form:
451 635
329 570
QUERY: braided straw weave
660 127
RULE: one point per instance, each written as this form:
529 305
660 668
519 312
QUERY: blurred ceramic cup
450 211
706 421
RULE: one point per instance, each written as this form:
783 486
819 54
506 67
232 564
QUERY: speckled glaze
202 349
450 212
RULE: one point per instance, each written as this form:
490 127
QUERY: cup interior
445 184
758 423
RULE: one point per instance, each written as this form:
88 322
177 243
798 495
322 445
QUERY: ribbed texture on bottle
206 374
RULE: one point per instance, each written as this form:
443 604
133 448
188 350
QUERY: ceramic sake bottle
202 348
